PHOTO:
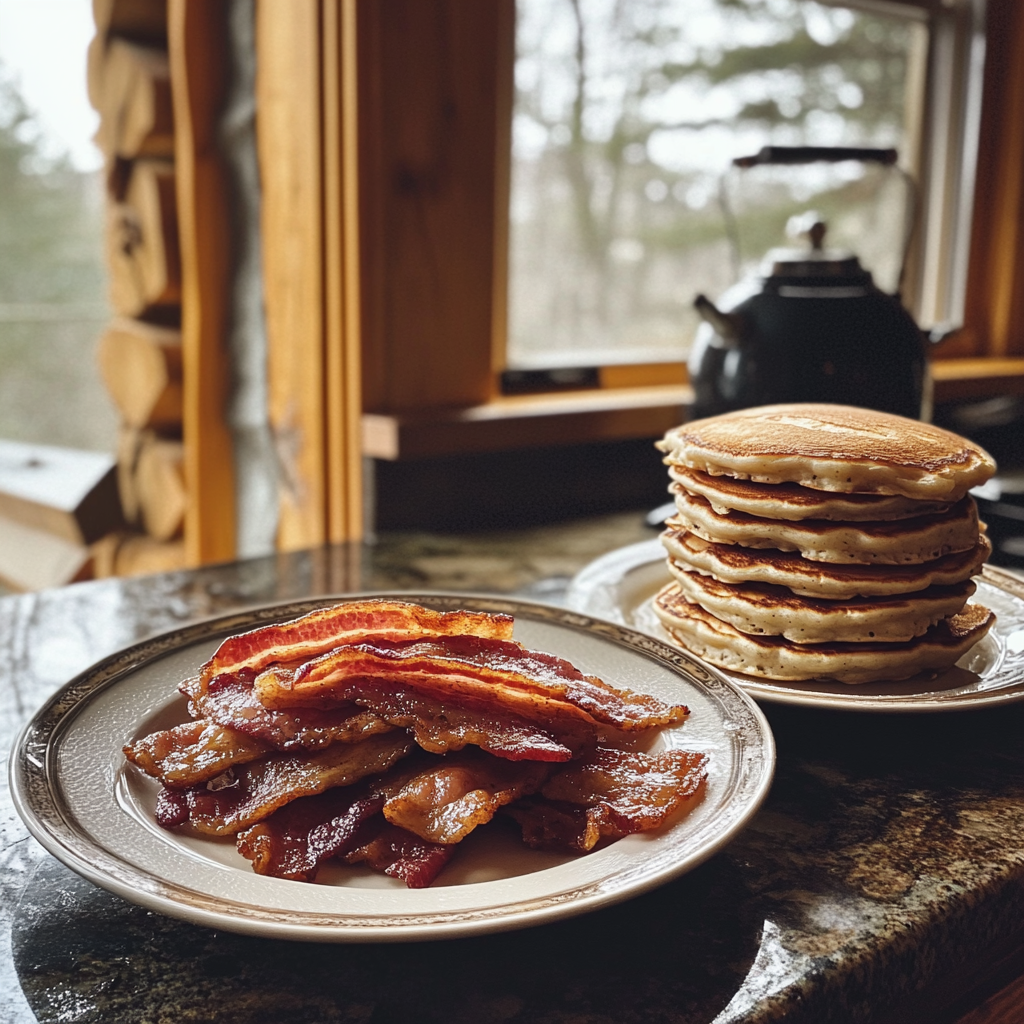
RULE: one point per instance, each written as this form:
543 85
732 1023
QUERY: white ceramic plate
619 587
94 812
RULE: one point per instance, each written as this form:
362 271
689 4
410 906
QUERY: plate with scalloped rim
619 587
94 812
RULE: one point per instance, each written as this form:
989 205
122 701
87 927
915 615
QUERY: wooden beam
142 242
197 36
505 88
995 282
342 273
290 143
429 95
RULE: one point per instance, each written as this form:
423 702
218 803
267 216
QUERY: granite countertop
885 870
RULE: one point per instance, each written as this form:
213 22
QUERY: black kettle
815 328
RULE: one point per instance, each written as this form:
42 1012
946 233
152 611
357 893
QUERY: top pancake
832 448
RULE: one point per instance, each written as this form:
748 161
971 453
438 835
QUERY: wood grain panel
429 84
995 283
342 273
197 38
290 144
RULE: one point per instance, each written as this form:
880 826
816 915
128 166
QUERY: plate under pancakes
832 448
892 542
774 657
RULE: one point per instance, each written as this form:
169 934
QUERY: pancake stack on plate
823 541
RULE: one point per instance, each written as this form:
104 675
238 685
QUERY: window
52 274
628 112
404 206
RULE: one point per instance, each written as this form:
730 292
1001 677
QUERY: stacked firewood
140 352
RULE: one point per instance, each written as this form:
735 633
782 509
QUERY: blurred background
278 274
53 278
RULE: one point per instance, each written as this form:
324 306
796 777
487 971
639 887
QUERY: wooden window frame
393 227
984 357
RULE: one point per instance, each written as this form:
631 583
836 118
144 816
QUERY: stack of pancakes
823 541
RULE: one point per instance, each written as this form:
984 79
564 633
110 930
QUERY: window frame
416 113
955 68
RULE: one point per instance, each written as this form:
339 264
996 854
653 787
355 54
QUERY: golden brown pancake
892 542
793 502
761 609
731 563
832 448
775 658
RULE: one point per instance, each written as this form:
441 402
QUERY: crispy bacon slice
441 724
400 854
446 801
295 840
193 752
350 622
234 705
533 685
252 792
611 794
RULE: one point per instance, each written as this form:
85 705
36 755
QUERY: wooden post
431 79
995 283
197 38
290 144
306 134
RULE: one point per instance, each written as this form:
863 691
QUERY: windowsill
528 421
612 413
967 379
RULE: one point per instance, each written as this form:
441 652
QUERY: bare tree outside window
52 287
627 112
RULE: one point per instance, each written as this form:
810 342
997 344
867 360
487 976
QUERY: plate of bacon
391 768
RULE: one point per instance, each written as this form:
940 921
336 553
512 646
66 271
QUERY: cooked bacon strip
446 801
193 752
252 792
510 725
444 724
234 705
295 840
536 686
350 622
400 854
612 793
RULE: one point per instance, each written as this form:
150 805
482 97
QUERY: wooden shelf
966 379
528 421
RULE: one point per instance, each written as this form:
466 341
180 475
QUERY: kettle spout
727 325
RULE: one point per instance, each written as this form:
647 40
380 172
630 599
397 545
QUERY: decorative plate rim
608 569
45 810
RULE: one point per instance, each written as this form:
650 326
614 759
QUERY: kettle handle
816 154
821 154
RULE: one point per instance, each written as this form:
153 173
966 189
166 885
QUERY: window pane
627 113
52 276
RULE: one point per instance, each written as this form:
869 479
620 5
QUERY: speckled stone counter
883 874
